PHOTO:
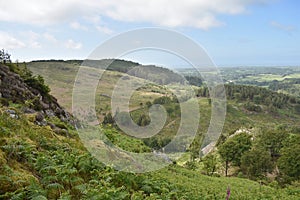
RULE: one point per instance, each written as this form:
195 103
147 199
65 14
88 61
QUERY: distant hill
149 72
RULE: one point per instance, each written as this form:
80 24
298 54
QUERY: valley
49 161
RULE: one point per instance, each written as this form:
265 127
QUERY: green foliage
18 150
192 165
289 161
258 95
37 82
108 119
256 163
65 170
144 120
272 141
234 148
125 142
193 80
162 100
252 107
210 164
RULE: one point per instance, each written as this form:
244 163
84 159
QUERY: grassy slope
61 76
43 163
192 184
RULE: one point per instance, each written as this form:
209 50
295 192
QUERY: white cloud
50 38
77 26
31 39
35 45
70 44
283 27
9 42
30 35
104 29
177 13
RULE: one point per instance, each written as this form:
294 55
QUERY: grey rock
28 111
50 113
52 125
63 132
12 114
39 117
42 123
9 111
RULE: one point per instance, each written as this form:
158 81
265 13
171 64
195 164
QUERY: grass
236 117
46 165
204 187
60 77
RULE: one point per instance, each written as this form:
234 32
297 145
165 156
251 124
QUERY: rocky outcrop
14 89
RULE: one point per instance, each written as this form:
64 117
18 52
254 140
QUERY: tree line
257 95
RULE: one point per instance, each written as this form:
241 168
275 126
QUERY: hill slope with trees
47 160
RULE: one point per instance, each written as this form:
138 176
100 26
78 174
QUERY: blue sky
233 32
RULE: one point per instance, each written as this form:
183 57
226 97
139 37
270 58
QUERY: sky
233 32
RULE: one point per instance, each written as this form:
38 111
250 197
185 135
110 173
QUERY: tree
227 154
108 119
4 57
272 141
210 163
289 161
232 150
256 162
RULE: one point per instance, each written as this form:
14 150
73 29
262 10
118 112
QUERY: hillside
242 100
20 87
152 73
38 161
